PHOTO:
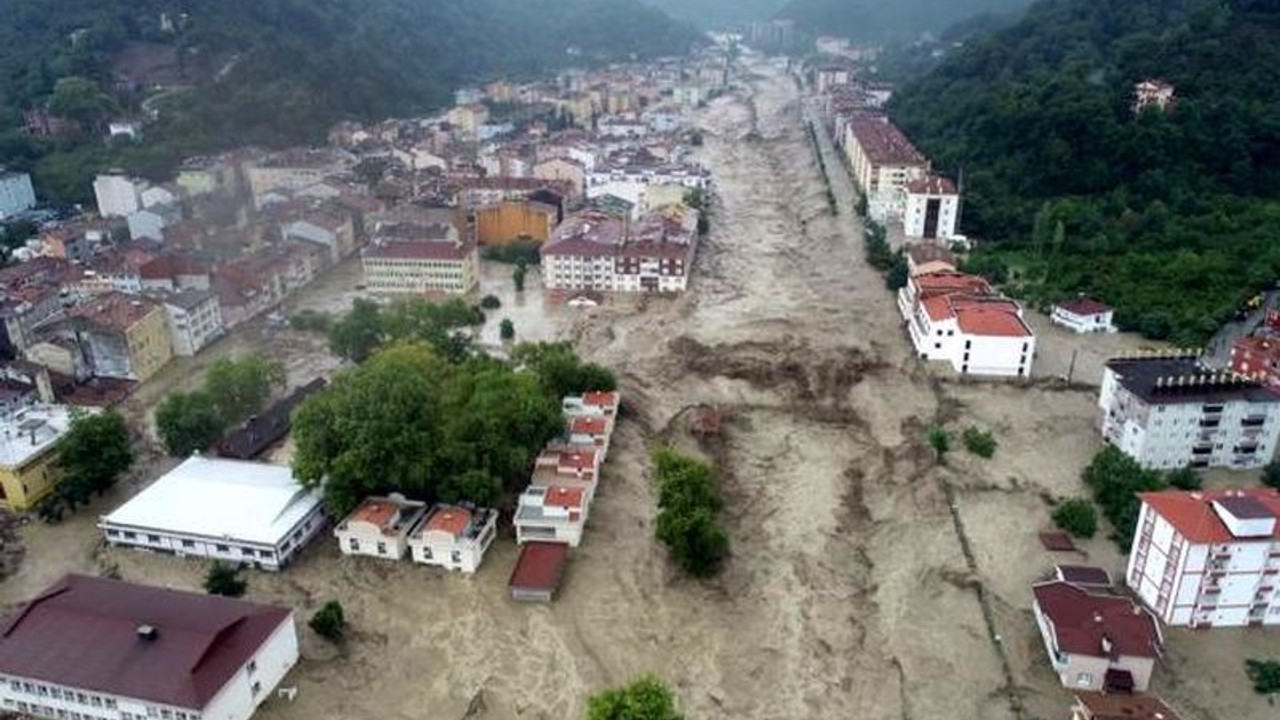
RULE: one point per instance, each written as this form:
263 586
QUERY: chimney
147 632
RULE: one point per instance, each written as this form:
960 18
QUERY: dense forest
1171 216
879 21
273 72
719 14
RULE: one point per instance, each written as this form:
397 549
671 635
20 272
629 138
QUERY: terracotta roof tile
1083 621
1193 516
449 519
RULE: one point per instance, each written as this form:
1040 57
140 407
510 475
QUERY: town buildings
118 195
1258 357
98 649
1083 315
194 319
958 318
932 208
599 251
454 537
1208 558
28 443
828 76
1170 411
242 512
551 513
883 163
419 259
1095 640
16 193
379 527
117 335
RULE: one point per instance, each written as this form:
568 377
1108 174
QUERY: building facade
194 318
120 335
1096 641
454 537
883 162
379 527
1208 558
118 195
552 513
1170 411
599 251
958 319
1083 315
28 448
932 208
419 260
16 193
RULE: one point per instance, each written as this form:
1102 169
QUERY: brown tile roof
922 253
565 497
84 633
1193 516
540 567
1084 306
378 513
417 250
590 425
883 142
1124 706
1083 622
931 185
449 519
600 399
114 310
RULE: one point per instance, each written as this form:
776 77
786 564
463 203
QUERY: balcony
1209 423
1253 421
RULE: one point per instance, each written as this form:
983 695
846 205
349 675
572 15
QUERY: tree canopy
93 454
233 390
369 326
645 698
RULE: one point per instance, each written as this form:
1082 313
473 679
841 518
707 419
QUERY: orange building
505 222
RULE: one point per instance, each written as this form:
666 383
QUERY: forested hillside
282 71
1170 216
718 14
883 20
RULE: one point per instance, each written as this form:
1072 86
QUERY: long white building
1208 558
596 251
90 648
958 318
241 512
16 193
1170 411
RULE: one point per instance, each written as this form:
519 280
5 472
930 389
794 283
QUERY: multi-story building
16 193
1258 357
91 648
1083 315
454 537
932 208
551 513
379 527
1171 411
420 259
629 176
292 170
1096 641
194 318
27 452
241 512
515 220
958 318
599 251
883 163
1208 558
829 76
119 335
118 195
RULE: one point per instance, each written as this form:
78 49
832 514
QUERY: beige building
1096 641
420 260
558 168
379 527
454 537
554 513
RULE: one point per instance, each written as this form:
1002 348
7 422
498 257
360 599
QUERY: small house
1083 315
1096 641
455 537
539 572
379 527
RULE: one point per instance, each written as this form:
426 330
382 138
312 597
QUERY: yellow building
28 440
126 335
511 220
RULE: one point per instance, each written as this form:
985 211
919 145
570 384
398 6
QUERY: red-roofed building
552 513
117 335
102 648
538 572
1083 315
931 208
455 537
958 318
1096 641
379 527
883 161
1208 558
420 259
1258 356
1121 706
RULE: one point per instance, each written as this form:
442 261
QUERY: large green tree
241 387
189 422
93 454
645 698
560 371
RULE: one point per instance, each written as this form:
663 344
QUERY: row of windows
189 544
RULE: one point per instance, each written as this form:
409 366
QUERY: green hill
1170 216
880 21
281 71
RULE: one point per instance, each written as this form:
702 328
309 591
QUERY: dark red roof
540 567
1081 621
84 633
1084 306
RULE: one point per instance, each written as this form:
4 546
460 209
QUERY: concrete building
1096 641
28 441
118 195
932 208
883 162
1258 357
194 319
597 251
336 234
959 319
551 513
630 177
1208 558
538 572
379 527
563 169
420 259
241 512
292 170
454 537
827 77
16 193
119 335
91 648
592 404
1083 315
1155 94
511 221
1170 411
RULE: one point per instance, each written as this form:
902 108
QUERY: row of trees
1115 481
369 326
233 390
688 501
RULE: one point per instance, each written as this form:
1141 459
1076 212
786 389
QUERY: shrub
1265 675
688 501
1116 479
940 441
490 302
518 275
507 329
1184 478
979 442
646 698
224 579
310 320
329 622
1076 516
1271 474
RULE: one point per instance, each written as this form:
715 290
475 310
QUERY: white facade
551 514
195 320
240 512
1192 566
1083 322
977 335
379 527
16 193
1204 422
631 184
118 195
454 537
930 214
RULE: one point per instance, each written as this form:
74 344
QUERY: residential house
829 76
379 527
336 234
118 195
174 271
91 647
592 404
468 118
292 170
598 251
1169 410
194 318
28 472
1208 558
1083 315
149 222
16 193
1156 94
240 512
566 466
455 537
30 294
958 318
1096 641
630 175
539 571
932 208
118 335
551 513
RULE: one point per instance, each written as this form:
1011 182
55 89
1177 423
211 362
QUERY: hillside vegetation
274 72
1171 217
880 21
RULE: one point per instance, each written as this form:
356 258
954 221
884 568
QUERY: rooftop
540 567
462 522
30 432
114 310
1193 516
1125 706
1182 378
931 185
883 142
922 253
214 497
1083 575
1097 625
263 430
1084 306
84 633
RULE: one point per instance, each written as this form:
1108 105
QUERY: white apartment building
596 251
1208 558
16 193
379 527
932 208
552 513
419 260
1170 411
956 318
91 648
883 162
118 195
241 512
454 537
194 318
631 182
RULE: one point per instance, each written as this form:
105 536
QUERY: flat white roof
218 498
28 433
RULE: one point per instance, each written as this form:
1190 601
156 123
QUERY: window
264 553
457 557
1084 680
188 543
252 666
247 552
382 548
153 538
113 533
222 548
426 552
256 688
354 544
130 536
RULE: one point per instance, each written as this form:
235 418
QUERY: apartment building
931 208
957 318
1170 410
90 648
600 251
883 162
419 259
454 537
194 319
16 193
1208 558
379 527
118 195
551 513
1083 315
117 335
1258 357
28 443
1096 641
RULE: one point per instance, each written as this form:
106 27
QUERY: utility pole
1071 369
